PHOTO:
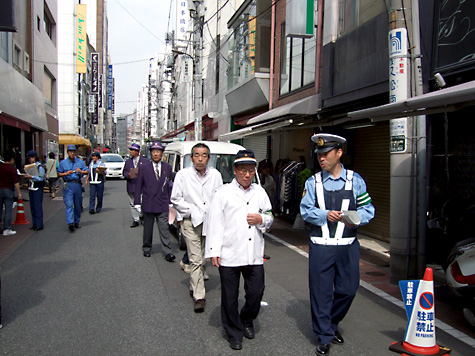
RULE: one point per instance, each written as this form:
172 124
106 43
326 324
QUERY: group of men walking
225 223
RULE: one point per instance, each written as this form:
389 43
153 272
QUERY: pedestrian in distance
51 173
8 183
35 189
131 169
96 178
335 202
71 170
193 189
240 213
152 197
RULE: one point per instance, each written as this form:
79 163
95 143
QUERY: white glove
139 208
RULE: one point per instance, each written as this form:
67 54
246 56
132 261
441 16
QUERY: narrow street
92 292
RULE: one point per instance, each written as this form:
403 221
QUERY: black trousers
233 320
162 222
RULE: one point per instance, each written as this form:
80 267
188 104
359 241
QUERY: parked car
115 165
178 155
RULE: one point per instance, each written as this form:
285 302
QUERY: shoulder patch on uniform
304 192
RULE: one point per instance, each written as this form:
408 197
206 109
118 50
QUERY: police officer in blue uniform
71 170
96 178
335 203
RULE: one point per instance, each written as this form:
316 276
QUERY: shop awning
73 140
443 100
306 106
255 129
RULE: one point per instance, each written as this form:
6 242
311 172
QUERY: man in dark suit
131 168
154 186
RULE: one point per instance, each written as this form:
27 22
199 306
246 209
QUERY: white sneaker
8 232
205 276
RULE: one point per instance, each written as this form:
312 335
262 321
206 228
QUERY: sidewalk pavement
374 263
8 244
375 275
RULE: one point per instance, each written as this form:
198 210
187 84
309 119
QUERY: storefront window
249 42
298 62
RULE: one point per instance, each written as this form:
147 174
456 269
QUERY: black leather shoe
38 229
248 331
338 339
147 253
77 226
33 227
235 344
71 227
199 306
92 212
135 224
170 257
323 349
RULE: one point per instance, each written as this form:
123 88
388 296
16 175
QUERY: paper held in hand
102 169
351 217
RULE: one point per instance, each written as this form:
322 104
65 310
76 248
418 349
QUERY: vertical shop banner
110 88
187 70
95 72
113 95
81 41
182 20
99 98
95 113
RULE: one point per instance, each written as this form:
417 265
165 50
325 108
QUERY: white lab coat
229 236
192 194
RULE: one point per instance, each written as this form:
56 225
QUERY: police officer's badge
320 142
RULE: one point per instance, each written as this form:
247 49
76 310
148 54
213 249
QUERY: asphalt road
92 292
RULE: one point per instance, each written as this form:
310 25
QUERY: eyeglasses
244 170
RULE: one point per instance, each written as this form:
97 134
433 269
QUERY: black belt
73 181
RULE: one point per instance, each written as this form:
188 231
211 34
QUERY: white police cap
326 142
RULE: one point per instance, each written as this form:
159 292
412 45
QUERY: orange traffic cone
20 214
418 296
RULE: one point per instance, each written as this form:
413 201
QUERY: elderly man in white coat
240 213
193 189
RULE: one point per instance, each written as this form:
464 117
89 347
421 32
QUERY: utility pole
402 231
198 19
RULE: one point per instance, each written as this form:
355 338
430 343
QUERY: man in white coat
240 213
193 189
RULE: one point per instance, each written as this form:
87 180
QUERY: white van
178 155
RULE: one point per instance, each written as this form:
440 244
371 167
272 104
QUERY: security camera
439 80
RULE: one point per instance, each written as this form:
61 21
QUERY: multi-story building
28 76
271 83
82 39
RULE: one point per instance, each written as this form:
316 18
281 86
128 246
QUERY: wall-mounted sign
95 72
81 41
300 18
110 88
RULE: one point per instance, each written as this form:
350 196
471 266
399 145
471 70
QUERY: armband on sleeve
363 199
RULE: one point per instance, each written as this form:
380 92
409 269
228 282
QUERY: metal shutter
371 159
258 144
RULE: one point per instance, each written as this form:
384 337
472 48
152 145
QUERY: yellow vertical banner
81 40
252 42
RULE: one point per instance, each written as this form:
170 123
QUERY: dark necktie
157 174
